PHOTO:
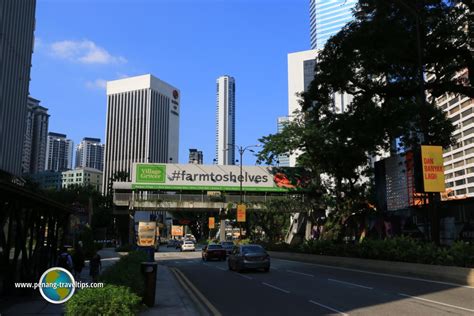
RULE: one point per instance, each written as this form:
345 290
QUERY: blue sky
80 44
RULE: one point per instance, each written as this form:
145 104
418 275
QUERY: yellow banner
211 223
177 230
241 208
433 169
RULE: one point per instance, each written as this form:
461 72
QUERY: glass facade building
327 17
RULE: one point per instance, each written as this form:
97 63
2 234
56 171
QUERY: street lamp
242 150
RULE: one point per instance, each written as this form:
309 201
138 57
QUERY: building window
461 192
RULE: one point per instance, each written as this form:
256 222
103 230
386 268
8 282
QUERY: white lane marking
353 284
379 273
296 272
220 268
245 276
327 307
436 302
276 288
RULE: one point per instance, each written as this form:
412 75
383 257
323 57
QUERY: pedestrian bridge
126 199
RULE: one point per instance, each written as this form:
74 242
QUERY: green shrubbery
395 249
127 272
109 300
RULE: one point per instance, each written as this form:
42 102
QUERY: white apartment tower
58 152
225 121
36 137
90 154
142 124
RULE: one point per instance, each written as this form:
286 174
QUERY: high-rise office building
17 22
142 124
225 121
459 159
327 17
36 136
284 159
195 156
90 154
58 152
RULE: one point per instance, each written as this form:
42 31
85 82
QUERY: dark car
213 251
228 246
249 257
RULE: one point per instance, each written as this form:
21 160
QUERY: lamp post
241 150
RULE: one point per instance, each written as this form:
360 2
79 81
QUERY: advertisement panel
433 170
177 230
146 234
217 177
241 208
212 223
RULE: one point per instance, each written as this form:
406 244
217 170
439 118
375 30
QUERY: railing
121 198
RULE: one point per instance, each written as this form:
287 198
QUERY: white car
188 245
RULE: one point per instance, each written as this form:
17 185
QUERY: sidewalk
37 305
170 298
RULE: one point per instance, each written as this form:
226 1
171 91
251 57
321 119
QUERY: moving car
188 245
213 251
249 257
228 246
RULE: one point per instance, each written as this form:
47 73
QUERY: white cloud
85 51
97 84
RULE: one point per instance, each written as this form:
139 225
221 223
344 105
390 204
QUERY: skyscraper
36 136
327 17
284 159
90 154
58 152
17 22
142 124
225 121
195 156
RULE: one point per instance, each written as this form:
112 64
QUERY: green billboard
150 173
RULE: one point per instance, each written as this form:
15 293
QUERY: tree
378 58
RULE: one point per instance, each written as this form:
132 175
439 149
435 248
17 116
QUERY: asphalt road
296 288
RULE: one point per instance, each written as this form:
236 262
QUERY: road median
449 274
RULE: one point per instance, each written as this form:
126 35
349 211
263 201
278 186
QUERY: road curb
202 303
456 275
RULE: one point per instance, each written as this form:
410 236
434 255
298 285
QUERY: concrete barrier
458 275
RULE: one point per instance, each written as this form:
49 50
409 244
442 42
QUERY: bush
109 300
127 272
402 248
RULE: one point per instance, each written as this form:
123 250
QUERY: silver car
249 257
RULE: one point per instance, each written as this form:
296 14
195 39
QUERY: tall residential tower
225 121
36 137
58 152
90 154
17 23
142 124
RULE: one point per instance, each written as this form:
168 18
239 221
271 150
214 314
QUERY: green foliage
127 272
374 59
109 300
403 249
